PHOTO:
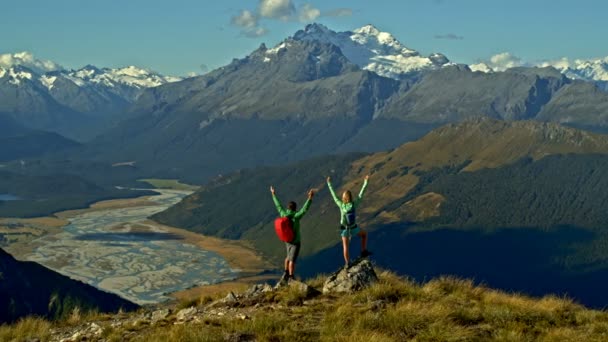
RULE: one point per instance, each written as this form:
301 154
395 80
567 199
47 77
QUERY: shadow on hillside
516 259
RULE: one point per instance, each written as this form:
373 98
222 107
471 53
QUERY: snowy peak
369 30
380 42
594 70
24 65
590 70
374 50
131 76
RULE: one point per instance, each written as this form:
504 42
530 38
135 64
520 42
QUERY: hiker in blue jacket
348 225
293 247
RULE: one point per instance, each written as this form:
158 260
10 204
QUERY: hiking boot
347 265
365 253
290 279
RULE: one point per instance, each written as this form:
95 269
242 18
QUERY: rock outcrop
360 275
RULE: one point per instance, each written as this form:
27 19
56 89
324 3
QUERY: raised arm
307 204
277 204
333 194
360 197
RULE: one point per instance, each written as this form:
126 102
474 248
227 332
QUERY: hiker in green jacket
293 248
348 226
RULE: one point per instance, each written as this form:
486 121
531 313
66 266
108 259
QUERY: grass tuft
29 328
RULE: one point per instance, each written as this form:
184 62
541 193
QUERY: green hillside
227 205
495 187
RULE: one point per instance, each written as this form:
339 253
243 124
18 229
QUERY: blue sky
178 37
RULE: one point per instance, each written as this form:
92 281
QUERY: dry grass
26 329
394 309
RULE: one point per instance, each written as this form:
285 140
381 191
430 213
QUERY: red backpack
283 226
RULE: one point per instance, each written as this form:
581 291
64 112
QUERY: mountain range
464 198
83 103
76 103
306 97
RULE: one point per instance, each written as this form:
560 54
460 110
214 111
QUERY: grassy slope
395 309
169 184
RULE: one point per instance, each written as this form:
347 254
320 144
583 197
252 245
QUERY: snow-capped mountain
47 73
589 70
593 70
373 50
130 76
42 94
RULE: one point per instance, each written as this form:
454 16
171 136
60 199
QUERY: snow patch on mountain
16 75
374 50
48 81
130 76
275 50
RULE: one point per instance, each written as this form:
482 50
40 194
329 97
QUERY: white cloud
483 67
338 12
559 64
449 36
256 32
28 60
308 13
283 10
499 62
248 22
277 9
505 60
246 19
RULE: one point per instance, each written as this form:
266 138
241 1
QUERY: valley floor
110 246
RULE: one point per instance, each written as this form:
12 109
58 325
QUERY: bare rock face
360 275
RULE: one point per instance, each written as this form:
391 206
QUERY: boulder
230 298
186 314
257 290
159 315
360 275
